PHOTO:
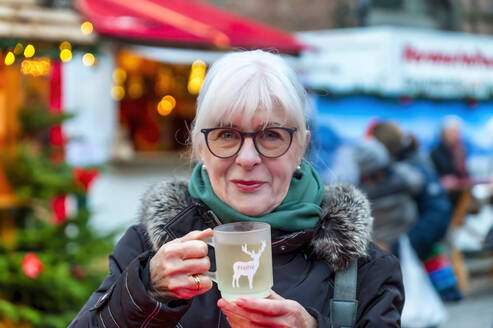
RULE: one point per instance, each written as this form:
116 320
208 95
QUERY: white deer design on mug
247 268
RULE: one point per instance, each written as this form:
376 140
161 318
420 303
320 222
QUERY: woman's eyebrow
267 125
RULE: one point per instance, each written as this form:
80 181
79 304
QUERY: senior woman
249 137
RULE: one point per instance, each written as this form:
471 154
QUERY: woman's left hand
273 311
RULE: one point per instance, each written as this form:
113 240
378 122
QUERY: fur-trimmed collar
342 234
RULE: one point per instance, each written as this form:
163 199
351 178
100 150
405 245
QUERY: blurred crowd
413 193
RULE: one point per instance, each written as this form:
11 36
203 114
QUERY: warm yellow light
36 67
171 100
194 85
164 81
117 92
19 48
135 88
88 59
86 27
65 45
166 105
29 51
198 64
119 76
65 55
130 62
9 58
196 78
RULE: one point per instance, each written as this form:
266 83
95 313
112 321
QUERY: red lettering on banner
412 54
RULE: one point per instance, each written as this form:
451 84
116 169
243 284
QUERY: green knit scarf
299 210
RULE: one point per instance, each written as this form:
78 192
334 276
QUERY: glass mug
243 259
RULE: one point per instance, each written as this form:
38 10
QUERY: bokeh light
19 48
65 45
119 76
166 105
29 51
117 92
130 62
196 78
86 27
65 55
88 59
36 67
9 58
135 87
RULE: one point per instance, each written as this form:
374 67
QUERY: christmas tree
51 259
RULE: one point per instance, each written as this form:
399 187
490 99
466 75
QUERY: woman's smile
248 185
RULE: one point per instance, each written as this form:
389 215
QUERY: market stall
162 49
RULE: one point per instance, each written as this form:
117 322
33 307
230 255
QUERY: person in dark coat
390 187
249 136
434 207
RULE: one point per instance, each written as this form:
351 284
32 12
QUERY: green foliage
72 253
19 313
72 241
30 168
73 266
37 118
24 314
33 174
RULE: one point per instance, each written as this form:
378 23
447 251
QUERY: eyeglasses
270 142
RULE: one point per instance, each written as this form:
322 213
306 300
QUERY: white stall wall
87 94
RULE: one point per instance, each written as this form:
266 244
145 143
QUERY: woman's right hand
175 262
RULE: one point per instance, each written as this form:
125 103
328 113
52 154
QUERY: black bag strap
344 305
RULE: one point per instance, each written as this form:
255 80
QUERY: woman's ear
304 146
307 140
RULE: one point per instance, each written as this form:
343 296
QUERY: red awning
183 22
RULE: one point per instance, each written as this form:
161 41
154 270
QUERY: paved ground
473 312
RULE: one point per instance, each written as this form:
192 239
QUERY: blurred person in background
434 206
390 186
249 136
449 157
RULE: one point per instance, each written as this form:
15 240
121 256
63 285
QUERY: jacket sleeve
122 300
380 293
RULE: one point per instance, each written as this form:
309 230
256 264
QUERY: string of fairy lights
41 65
36 60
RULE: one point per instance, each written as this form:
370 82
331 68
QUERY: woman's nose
248 155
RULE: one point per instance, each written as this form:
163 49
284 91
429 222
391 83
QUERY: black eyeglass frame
249 134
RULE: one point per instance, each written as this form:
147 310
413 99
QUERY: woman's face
248 182
451 135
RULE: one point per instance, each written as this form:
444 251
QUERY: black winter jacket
303 265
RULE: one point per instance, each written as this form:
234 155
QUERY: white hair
247 82
452 122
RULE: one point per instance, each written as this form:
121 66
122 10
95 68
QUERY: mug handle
211 274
